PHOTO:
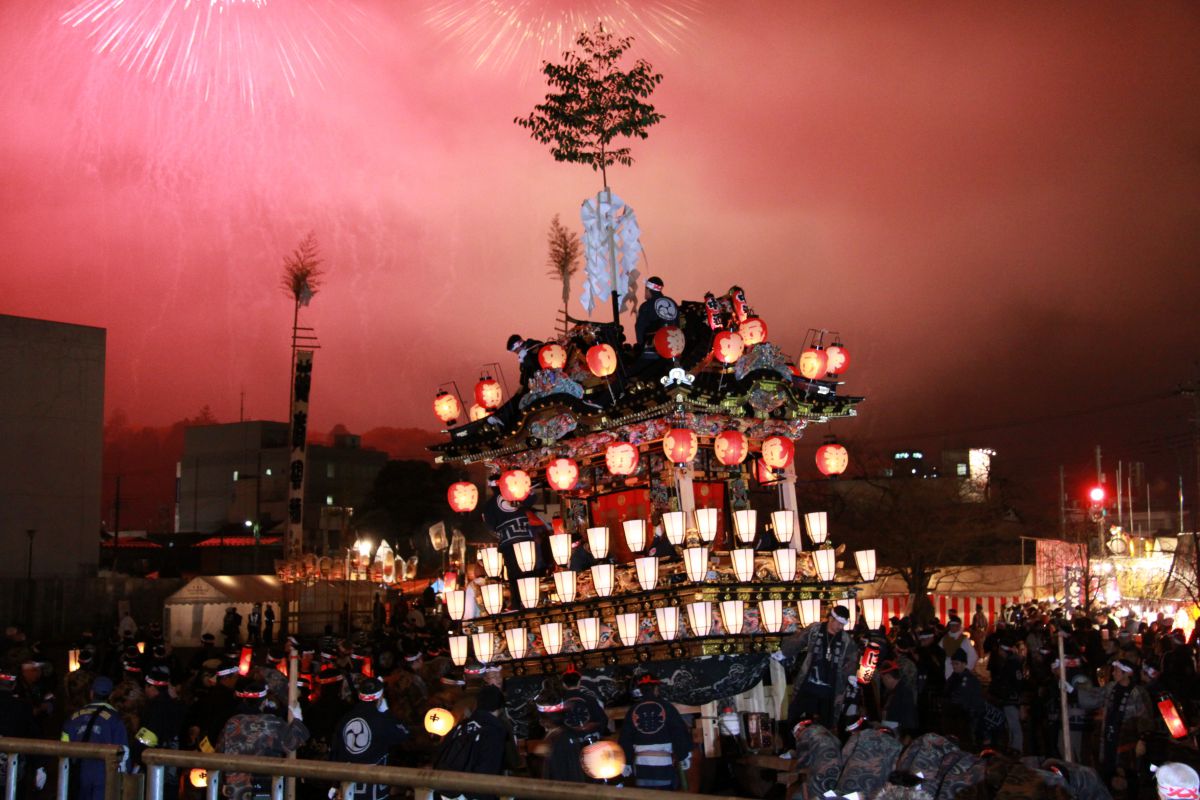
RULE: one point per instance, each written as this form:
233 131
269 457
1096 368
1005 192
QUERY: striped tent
957 590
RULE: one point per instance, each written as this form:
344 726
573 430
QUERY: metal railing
346 776
14 748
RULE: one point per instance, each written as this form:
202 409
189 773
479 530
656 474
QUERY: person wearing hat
1007 669
482 744
1126 719
830 660
161 723
219 705
656 311
656 740
583 722
258 730
931 678
96 723
900 700
365 735
955 640
967 710
526 351
1177 781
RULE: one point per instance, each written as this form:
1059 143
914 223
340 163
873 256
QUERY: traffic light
1097 496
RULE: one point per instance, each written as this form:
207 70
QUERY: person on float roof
656 311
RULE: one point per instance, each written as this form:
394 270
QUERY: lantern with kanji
621 458
727 347
463 496
868 662
753 331
515 485
730 447
837 359
669 341
812 363
602 360
562 474
552 356
778 452
680 445
832 459
438 721
488 392
446 406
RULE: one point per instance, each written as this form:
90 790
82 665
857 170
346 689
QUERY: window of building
961 469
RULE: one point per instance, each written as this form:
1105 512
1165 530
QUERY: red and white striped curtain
899 605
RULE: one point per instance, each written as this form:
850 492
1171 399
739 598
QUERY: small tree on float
563 259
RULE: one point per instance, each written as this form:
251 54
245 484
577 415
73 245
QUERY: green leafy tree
596 104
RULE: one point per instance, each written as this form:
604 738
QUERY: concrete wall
51 445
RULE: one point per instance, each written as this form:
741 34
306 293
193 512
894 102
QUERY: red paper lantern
812 363
515 485
680 445
552 356
477 412
621 458
1171 718
730 447
778 452
462 496
837 358
488 392
246 660
602 360
669 342
727 347
446 406
563 474
832 459
753 331
868 663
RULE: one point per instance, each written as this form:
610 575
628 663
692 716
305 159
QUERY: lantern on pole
730 447
778 452
832 459
477 412
603 760
669 341
727 347
635 534
489 394
515 485
812 363
463 496
562 474
1171 716
564 585
628 628
668 622
733 615
674 527
753 331
246 660
868 663
598 541
198 777
552 356
621 458
680 445
602 360
552 637
438 721
446 407
700 617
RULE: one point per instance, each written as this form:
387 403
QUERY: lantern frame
492 561
492 595
565 585
770 614
647 572
809 610
783 525
552 637
484 644
560 548
635 534
459 647
667 619
629 627
699 614
866 563
817 524
743 563
598 542
695 561
706 524
526 555
589 632
674 527
825 561
872 609
785 563
530 590
603 579
517 640
745 525
456 603
733 615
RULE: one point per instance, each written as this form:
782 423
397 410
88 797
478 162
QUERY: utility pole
1192 390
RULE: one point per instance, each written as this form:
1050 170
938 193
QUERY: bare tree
563 258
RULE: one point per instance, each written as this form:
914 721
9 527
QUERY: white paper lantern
485 646
733 615
817 523
492 561
873 612
668 622
810 611
770 615
674 527
560 548
517 640
493 597
635 534
825 560
458 649
589 632
628 628
530 590
706 523
602 579
865 559
784 524
598 542
552 637
695 560
700 617
564 584
526 553
743 563
785 563
456 603
647 572
745 525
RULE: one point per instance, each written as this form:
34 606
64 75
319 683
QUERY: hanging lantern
783 522
727 347
680 445
602 579
458 650
463 496
598 542
647 572
489 393
456 603
810 611
770 615
589 632
837 358
668 622
198 777
386 559
530 590
560 548
812 363
635 534
517 641
865 559
1171 717
628 628
438 721
602 360
477 412
743 563
493 597
764 474
492 561
873 612
515 485
669 341
825 560
485 646
674 527
73 660
731 447
603 760
446 407
785 563
621 458
552 637
245 661
706 523
778 452
695 560
564 585
753 331
868 663
832 459
552 356
745 524
526 554
817 523
733 615
700 617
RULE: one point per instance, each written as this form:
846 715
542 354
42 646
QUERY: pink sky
997 206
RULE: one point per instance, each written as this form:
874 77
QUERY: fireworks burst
219 48
501 33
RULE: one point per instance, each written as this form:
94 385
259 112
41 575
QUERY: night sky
998 207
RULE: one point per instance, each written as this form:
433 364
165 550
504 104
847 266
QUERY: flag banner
610 230
301 384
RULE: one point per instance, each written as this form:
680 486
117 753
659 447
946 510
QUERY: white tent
959 589
199 607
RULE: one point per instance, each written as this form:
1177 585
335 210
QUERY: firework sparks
220 48
503 33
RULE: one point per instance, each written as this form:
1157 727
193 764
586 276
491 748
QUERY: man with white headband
1126 720
1177 782
830 660
365 735
656 311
